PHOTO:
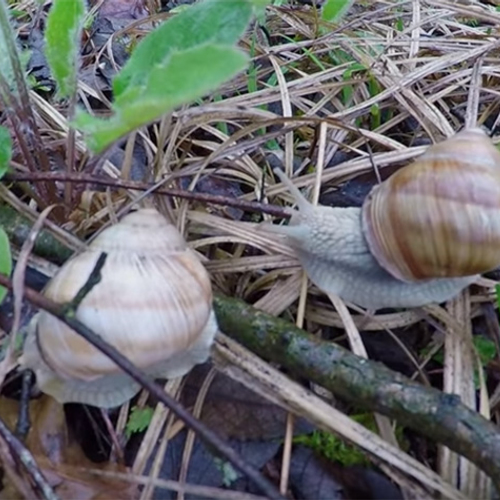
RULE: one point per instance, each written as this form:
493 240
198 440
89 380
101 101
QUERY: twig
59 311
12 472
196 491
23 421
249 206
69 309
30 140
94 278
26 458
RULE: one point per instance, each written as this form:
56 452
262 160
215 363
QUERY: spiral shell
440 215
153 303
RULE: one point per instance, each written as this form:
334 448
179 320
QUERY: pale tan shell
439 216
154 304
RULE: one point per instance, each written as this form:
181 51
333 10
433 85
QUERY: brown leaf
60 458
123 9
79 484
236 412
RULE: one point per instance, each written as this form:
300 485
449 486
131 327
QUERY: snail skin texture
153 303
443 206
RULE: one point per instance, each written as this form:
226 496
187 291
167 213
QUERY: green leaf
139 420
62 43
229 473
5 260
5 150
334 10
259 7
486 349
259 4
219 22
184 77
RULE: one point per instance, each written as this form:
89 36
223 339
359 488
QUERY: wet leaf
60 459
185 58
310 479
364 482
207 469
219 186
236 412
123 9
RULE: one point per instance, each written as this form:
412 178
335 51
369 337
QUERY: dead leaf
123 9
236 412
310 479
205 469
60 458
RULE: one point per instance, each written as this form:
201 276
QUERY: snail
420 237
153 303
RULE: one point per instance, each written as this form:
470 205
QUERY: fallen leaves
59 457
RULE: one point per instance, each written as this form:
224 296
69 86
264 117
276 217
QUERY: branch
66 315
249 206
18 226
367 384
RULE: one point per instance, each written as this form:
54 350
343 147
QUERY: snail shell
439 216
153 303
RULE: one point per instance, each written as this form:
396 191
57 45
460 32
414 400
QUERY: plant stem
26 112
249 206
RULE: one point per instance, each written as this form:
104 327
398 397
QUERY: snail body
153 303
399 251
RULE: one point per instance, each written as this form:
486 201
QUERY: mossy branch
367 384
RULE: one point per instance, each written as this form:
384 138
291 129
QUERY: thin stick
250 206
23 422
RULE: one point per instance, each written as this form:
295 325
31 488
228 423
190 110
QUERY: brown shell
439 216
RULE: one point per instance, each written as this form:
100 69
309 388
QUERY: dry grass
423 70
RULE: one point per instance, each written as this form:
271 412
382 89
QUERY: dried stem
248 206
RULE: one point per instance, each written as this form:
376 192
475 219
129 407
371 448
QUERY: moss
335 449
18 228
